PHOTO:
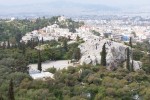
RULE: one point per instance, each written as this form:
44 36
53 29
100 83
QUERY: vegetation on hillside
13 30
84 82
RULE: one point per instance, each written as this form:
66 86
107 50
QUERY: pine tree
103 55
11 91
128 59
39 61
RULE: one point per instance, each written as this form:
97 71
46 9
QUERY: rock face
116 53
137 65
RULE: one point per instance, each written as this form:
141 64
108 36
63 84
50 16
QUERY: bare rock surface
116 53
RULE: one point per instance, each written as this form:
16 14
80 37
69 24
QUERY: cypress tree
65 45
130 42
39 61
128 59
1 97
8 44
18 37
103 55
69 38
131 69
77 54
42 40
77 38
11 91
32 43
23 48
4 45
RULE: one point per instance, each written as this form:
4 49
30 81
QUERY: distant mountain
68 8
55 7
81 6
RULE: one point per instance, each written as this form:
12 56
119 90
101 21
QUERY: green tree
42 40
65 45
132 65
11 91
8 44
103 55
52 70
23 48
18 37
128 59
133 33
137 54
4 45
77 38
72 28
130 42
1 98
77 54
39 61
146 63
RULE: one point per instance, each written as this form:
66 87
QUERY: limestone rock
116 53
137 65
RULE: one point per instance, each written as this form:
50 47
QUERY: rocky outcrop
137 65
116 53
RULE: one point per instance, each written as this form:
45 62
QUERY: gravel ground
60 64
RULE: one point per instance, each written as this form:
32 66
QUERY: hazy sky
69 6
105 2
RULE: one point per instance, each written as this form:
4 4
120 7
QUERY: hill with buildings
99 65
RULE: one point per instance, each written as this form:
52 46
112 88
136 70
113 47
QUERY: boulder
137 65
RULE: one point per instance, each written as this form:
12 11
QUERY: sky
66 6
117 3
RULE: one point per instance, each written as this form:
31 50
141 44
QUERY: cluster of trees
54 50
16 55
17 28
13 31
70 24
96 33
14 61
141 52
84 82
13 65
